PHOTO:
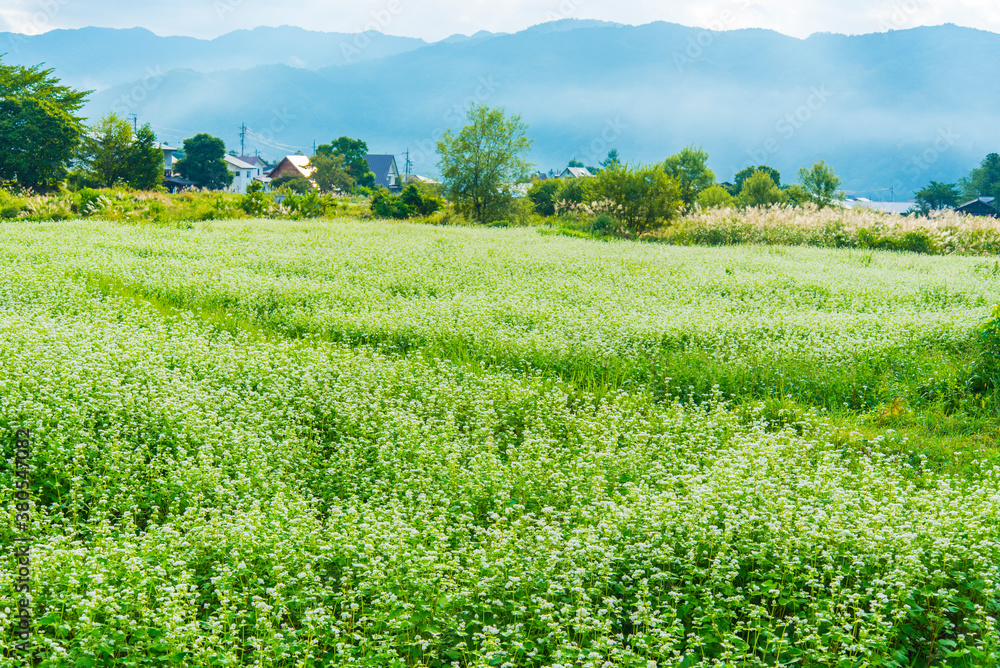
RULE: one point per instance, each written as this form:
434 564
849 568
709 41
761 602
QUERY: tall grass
942 232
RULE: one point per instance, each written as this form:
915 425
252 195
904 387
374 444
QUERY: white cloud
435 19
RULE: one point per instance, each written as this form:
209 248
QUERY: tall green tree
482 163
819 184
750 171
203 162
104 149
113 154
612 160
354 152
759 189
936 196
690 169
330 172
39 126
984 181
145 160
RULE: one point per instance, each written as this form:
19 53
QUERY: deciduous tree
715 197
483 162
330 172
819 184
936 196
113 154
750 171
690 169
641 199
759 189
354 153
39 126
984 181
203 162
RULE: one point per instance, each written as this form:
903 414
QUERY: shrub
412 202
644 198
310 205
715 197
255 202
985 377
544 195
88 201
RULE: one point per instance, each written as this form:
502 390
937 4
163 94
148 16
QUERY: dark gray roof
983 200
253 160
381 166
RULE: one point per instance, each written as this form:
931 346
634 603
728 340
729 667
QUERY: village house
292 165
172 182
385 170
245 170
981 206
576 173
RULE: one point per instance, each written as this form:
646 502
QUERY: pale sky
436 19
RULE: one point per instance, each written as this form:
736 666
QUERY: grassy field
281 443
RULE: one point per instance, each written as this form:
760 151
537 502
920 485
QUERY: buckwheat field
340 443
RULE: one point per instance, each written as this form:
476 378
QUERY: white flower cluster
214 491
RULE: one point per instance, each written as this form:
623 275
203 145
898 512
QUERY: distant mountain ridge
889 111
99 58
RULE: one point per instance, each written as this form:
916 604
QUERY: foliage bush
642 199
413 201
985 378
543 195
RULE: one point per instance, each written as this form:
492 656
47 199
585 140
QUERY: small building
292 165
385 171
243 173
407 179
901 208
175 184
576 173
168 159
981 206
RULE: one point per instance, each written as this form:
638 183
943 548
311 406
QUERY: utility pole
135 122
409 164
243 139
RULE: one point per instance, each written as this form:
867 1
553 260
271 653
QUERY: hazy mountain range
889 110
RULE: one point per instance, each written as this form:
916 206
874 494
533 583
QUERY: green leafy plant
985 377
